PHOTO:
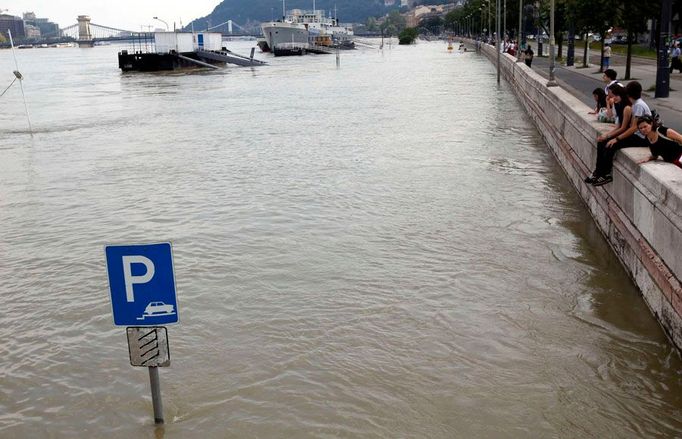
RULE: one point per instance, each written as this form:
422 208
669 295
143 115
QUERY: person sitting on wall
609 78
623 115
616 101
512 49
600 99
663 142
629 138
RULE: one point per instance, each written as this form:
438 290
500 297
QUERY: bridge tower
84 34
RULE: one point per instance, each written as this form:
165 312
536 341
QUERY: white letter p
130 280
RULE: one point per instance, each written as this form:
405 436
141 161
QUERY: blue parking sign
142 284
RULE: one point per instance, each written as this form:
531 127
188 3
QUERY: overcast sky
120 14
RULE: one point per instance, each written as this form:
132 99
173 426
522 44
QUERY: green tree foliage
468 16
595 16
372 24
632 17
432 25
393 24
408 35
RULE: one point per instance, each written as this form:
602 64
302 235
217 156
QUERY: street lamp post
663 71
158 19
481 26
488 12
504 28
497 40
552 82
490 6
536 16
518 36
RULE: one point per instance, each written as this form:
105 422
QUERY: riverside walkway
580 81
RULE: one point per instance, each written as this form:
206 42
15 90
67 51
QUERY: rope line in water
18 76
13 81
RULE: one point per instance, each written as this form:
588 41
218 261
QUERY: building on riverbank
13 24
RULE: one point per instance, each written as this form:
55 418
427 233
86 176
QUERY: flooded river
381 250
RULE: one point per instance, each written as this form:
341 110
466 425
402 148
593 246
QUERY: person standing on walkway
607 56
528 56
676 63
663 142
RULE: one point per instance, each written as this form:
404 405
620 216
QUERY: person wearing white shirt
609 78
607 56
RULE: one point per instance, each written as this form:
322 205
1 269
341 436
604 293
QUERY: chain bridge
86 33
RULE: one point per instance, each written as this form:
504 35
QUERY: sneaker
602 180
591 179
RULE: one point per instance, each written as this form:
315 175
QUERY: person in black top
623 109
528 56
663 142
619 104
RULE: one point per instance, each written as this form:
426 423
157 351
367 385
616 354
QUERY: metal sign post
142 288
148 347
156 394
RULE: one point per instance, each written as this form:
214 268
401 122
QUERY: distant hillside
249 12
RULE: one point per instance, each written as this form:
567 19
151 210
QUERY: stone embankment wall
640 213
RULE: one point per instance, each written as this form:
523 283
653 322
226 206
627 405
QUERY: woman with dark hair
617 102
600 98
623 110
663 142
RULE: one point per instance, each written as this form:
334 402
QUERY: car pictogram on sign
156 309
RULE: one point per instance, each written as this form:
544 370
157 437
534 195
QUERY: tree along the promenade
372 25
408 35
633 16
596 16
432 25
468 17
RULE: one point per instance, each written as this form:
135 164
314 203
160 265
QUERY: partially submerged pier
173 50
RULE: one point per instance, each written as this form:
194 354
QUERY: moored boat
173 50
301 32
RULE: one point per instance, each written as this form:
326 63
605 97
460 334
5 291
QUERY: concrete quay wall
640 213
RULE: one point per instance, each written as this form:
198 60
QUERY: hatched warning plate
148 346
